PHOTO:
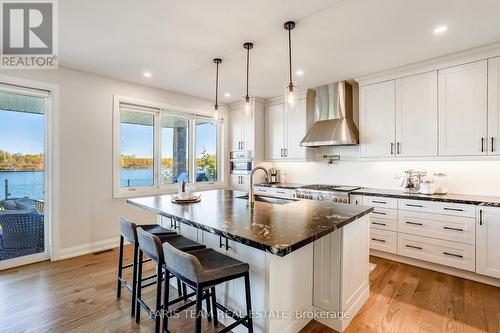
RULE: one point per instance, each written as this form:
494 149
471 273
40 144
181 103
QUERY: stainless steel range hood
334 124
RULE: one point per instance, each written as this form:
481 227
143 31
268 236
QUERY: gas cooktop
330 188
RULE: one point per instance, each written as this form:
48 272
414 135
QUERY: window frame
158 110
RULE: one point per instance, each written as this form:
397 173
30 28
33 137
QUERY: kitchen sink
271 200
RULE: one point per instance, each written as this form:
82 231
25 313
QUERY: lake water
23 184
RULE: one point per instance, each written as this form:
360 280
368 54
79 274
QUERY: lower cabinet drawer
383 240
445 227
442 252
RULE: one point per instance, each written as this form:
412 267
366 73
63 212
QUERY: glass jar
440 183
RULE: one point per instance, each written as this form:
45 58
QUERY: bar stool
151 245
128 231
202 270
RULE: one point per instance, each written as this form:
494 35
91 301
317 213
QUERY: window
206 151
157 147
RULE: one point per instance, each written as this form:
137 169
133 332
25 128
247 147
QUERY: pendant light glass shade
292 87
216 117
248 101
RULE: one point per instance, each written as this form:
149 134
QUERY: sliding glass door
23 226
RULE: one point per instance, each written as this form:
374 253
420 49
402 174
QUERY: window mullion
157 149
192 149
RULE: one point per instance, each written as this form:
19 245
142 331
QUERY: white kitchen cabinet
377 119
416 115
463 109
242 130
487 238
285 129
240 182
493 106
188 231
274 131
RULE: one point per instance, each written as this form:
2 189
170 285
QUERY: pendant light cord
248 61
290 52
217 86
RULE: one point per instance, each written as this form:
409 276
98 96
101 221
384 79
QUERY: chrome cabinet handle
482 145
392 148
492 142
414 223
380 202
455 229
281 192
398 148
454 209
453 254
413 205
414 247
378 223
282 152
286 152
480 217
378 240
242 145
380 213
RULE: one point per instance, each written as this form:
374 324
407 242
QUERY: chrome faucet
251 197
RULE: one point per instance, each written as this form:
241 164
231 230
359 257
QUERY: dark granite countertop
289 186
278 229
452 198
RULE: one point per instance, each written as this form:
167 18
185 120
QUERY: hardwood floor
79 295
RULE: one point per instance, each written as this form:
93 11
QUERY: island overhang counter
308 259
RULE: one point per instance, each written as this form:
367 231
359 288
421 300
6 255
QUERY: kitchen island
308 259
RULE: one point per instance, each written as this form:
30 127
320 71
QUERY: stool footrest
232 314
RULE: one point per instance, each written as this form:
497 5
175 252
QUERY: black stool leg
159 275
209 310
184 292
120 267
134 279
166 297
199 300
179 288
214 307
249 302
139 287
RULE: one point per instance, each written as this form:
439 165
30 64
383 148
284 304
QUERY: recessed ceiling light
147 74
440 29
227 95
299 72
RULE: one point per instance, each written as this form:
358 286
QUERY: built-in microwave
241 162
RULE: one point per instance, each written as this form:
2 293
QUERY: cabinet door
377 119
236 122
295 130
416 115
248 128
188 231
327 272
256 259
463 109
235 182
487 237
274 131
245 183
493 106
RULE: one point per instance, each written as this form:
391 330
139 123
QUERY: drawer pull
282 192
380 202
378 223
453 255
379 213
413 205
262 190
378 240
414 247
454 209
414 223
456 229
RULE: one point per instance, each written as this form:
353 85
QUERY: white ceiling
176 40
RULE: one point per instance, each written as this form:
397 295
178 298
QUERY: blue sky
21 132
24 133
138 140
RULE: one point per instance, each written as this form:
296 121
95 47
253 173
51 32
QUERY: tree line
21 162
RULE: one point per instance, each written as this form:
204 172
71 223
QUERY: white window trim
158 109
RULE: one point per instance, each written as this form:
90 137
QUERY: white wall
87 213
478 177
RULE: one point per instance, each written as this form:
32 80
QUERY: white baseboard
437 267
75 251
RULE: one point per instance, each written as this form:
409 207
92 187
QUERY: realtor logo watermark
29 38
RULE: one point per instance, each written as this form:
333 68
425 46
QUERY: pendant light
291 88
216 119
248 107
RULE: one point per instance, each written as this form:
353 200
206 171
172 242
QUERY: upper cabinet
417 115
493 106
399 117
284 130
463 110
246 128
